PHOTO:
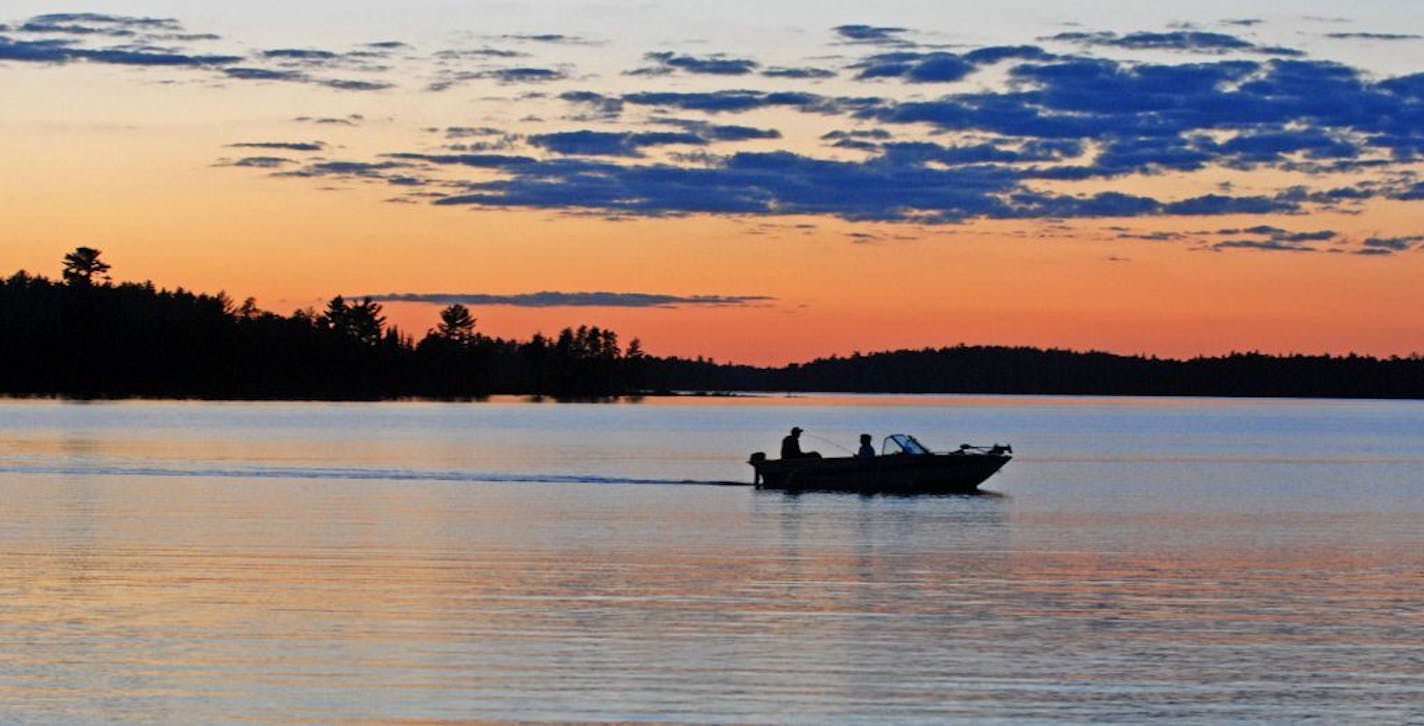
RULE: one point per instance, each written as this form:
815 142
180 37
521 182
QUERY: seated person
791 446
866 450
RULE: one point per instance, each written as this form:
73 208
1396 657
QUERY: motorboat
904 466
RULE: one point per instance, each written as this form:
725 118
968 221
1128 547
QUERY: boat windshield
902 444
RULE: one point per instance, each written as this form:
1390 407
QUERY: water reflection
273 564
877 494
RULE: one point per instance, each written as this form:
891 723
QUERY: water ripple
219 471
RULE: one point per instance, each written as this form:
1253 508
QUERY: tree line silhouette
87 337
1024 370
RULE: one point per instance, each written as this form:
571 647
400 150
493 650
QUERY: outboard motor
756 460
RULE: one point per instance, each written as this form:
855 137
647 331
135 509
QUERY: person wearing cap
791 446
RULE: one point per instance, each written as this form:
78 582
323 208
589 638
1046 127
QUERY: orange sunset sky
759 182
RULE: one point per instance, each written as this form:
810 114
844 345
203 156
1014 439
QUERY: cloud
942 66
871 34
354 119
1394 244
1037 205
857 134
264 74
52 28
1150 236
998 53
740 100
296 76
1270 238
798 73
901 181
506 76
1189 41
38 51
1282 235
97 24
478 161
752 183
600 105
343 84
1263 245
548 299
1410 194
184 37
915 67
262 162
364 60
631 144
1217 204
1259 238
921 152
465 132
490 139
1044 136
525 75
1187 116
890 188
723 132
346 169
139 49
855 145
282 145
603 143
1374 36
103 19
152 58
478 54
301 54
59 38
64 51
1273 145
553 38
716 65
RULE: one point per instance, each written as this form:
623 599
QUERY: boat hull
954 473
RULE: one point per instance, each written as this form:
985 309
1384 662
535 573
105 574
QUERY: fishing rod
827 441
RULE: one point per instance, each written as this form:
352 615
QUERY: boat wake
335 473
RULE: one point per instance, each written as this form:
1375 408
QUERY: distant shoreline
638 398
89 339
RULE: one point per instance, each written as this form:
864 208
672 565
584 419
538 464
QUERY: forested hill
86 337
982 369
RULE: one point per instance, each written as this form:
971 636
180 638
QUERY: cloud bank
549 299
1070 125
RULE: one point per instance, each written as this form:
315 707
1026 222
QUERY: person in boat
791 446
867 451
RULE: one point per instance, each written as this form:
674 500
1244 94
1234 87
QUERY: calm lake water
1191 560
